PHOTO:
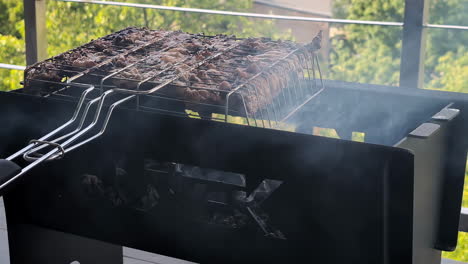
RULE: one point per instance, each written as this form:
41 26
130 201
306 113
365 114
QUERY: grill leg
31 244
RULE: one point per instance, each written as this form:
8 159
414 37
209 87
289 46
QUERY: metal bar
298 9
103 128
242 14
33 151
65 125
463 226
412 53
35 28
446 26
65 144
12 67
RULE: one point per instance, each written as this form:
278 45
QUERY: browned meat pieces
203 75
225 86
253 68
132 36
84 62
260 66
132 73
47 72
101 45
194 78
255 44
180 50
241 73
201 96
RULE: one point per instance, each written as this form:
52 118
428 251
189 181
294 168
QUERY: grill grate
219 78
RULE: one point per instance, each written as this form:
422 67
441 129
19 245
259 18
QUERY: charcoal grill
217 192
102 84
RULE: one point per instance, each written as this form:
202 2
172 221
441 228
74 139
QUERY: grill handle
8 169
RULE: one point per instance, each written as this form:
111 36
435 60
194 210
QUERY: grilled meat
202 69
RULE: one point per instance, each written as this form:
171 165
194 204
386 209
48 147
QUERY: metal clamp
28 155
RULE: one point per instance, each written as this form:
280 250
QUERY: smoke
385 114
24 118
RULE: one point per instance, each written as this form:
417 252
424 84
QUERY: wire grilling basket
219 78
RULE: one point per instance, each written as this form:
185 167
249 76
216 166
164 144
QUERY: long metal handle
29 154
14 172
13 175
10 171
62 127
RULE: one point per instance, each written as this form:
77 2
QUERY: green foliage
368 61
97 20
369 54
461 253
451 71
11 52
372 54
11 15
72 24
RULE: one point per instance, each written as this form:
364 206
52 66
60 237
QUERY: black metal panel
389 114
324 179
454 180
321 178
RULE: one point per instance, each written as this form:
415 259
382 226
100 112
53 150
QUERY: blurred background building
305 8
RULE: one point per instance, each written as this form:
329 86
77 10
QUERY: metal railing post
463 225
35 29
413 48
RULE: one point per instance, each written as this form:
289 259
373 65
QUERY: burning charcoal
114 198
92 184
149 200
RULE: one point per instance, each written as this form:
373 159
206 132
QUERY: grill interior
212 77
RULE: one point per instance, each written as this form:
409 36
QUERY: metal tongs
10 171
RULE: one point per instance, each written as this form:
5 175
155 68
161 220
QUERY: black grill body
394 199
